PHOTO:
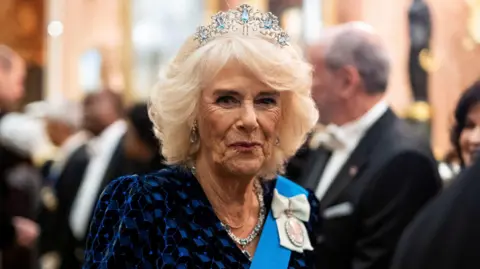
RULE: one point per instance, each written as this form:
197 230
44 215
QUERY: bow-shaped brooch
290 214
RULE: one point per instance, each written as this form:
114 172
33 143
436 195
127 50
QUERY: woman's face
470 136
238 117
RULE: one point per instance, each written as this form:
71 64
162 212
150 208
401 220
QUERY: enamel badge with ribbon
290 215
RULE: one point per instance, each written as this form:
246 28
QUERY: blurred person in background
366 168
465 134
17 234
63 126
12 75
445 235
84 173
24 134
140 148
126 146
136 152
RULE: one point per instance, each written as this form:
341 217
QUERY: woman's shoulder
155 184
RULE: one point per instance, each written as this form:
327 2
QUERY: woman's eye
470 125
227 100
267 101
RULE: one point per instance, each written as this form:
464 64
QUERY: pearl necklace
244 242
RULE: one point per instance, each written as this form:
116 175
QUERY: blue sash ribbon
269 253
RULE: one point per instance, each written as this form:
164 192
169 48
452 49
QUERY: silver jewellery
244 242
290 214
194 133
248 19
294 230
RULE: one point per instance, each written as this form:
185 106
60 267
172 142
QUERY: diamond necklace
244 242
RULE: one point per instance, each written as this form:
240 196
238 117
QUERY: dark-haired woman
465 135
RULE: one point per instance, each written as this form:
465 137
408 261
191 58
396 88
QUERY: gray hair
355 44
66 112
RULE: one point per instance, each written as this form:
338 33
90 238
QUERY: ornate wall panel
22 29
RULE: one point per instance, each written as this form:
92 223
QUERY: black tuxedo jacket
384 183
7 234
8 161
56 234
67 245
446 234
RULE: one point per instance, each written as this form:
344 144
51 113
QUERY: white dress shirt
352 133
103 148
24 134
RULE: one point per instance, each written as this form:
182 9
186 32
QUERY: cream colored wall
389 17
87 25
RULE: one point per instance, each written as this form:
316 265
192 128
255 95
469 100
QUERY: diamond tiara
246 17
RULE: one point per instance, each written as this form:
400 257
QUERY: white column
312 20
54 23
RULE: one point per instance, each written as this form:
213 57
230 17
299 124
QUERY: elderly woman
231 108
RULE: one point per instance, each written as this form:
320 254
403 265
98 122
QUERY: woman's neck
233 199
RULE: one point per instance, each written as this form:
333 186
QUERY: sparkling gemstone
204 34
220 20
282 39
245 15
268 23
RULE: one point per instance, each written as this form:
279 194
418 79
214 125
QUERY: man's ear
349 79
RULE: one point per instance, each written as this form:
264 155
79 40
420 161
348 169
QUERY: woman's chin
245 168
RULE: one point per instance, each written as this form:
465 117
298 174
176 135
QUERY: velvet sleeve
122 232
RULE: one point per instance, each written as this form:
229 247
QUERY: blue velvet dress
164 220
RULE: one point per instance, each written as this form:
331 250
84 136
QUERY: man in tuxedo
13 230
82 177
445 234
370 175
62 124
121 146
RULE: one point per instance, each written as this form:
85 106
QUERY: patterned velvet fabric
164 220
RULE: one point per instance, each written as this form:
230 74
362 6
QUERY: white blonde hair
174 100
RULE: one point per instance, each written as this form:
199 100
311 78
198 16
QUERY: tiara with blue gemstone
246 17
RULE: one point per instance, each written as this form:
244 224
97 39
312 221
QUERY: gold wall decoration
27 18
427 61
22 27
419 111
